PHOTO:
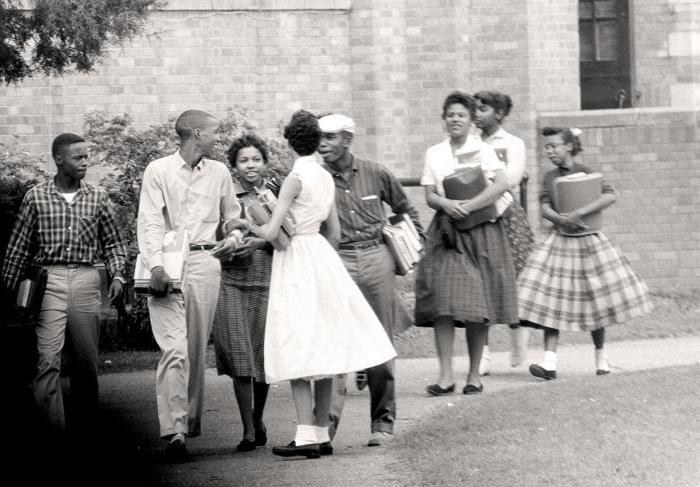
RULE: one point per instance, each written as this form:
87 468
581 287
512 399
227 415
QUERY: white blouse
440 163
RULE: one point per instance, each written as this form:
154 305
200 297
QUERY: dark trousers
372 269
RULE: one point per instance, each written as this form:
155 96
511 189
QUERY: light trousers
181 324
71 308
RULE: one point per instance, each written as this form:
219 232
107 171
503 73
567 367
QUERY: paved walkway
129 400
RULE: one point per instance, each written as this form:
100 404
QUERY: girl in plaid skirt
466 278
491 108
579 283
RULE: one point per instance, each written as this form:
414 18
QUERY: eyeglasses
553 146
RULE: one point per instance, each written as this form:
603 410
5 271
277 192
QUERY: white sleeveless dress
318 322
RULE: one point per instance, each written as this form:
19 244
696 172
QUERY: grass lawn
672 316
637 429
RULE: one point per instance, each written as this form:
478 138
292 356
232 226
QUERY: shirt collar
498 134
83 187
181 162
353 165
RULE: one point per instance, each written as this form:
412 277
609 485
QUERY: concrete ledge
257 5
621 117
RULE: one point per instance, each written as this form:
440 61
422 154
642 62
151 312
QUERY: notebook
403 241
176 247
465 183
260 210
574 191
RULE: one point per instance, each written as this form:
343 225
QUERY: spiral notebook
574 191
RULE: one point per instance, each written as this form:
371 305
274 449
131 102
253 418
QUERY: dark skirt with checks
520 235
239 323
473 281
579 284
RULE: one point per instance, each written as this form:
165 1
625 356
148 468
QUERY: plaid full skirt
520 235
239 323
473 282
579 284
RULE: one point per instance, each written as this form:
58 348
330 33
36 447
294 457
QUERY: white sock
178 436
550 361
322 434
601 359
306 435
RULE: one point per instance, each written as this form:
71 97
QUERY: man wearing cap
362 187
185 191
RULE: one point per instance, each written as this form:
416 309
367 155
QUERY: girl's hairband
576 132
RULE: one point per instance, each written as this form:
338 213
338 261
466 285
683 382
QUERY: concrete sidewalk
129 402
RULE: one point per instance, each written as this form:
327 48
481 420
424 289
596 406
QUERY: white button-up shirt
511 150
176 196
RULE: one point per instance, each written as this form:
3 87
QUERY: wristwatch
120 279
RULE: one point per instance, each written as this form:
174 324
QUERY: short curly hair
246 140
495 99
303 133
463 99
567 136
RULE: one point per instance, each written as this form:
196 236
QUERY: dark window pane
585 9
605 8
585 32
606 37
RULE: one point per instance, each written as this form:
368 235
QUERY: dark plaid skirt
520 235
472 281
239 323
579 284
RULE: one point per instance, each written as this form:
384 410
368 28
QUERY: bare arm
331 227
291 187
490 194
452 208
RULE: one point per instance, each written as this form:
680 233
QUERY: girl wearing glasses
575 283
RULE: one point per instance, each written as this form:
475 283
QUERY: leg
485 362
201 296
260 391
476 335
547 369
322 393
519 339
50 336
338 393
305 442
382 397
243 390
444 340
83 328
601 356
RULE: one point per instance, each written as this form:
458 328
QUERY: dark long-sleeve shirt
359 200
52 231
551 175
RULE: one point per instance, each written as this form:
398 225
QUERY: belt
202 247
67 266
365 244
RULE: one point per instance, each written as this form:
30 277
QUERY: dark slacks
372 269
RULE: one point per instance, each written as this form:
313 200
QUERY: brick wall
650 156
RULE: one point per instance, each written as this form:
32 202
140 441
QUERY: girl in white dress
318 322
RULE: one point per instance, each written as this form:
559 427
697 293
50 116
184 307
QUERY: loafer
261 437
602 372
379 438
436 390
326 448
246 445
361 380
176 452
539 371
312 450
470 389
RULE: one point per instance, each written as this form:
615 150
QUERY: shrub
116 144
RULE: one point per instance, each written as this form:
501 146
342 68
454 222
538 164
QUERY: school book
176 247
403 241
260 209
464 184
574 191
30 294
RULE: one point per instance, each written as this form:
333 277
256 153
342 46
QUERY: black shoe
246 445
309 451
326 448
361 380
176 452
541 372
602 372
470 389
436 390
261 436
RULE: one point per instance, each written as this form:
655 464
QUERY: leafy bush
116 144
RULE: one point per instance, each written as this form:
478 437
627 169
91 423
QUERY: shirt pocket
88 229
372 209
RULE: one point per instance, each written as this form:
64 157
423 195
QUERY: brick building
389 65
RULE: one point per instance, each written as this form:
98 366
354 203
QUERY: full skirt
318 322
579 284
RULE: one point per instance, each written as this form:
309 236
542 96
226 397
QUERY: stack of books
260 210
176 247
575 191
464 184
30 295
403 241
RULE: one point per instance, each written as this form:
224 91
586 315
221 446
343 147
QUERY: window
604 53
